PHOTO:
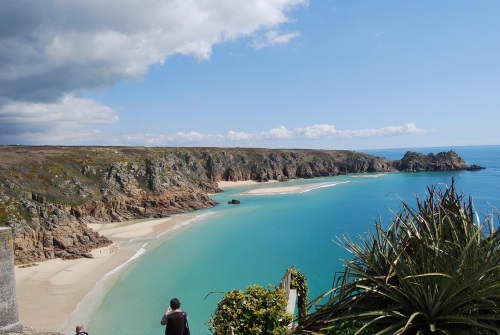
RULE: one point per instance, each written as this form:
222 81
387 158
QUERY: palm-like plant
435 270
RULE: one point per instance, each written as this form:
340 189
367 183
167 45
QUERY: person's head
175 303
80 329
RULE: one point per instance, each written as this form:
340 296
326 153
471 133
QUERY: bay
233 246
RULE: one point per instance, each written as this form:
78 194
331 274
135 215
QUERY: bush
349 327
435 270
258 311
299 283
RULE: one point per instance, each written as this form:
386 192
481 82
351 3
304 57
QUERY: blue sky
280 74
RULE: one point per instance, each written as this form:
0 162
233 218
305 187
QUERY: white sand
293 189
276 190
226 184
49 292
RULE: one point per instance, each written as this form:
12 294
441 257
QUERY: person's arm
163 321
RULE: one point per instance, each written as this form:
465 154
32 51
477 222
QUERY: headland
65 204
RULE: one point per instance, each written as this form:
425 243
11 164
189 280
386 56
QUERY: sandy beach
264 190
227 184
267 190
50 291
291 189
276 190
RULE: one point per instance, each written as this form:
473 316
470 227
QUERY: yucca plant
435 270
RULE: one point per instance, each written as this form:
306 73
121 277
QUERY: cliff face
48 194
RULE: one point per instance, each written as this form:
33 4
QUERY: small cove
234 246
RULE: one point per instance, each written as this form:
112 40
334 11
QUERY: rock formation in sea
418 162
48 194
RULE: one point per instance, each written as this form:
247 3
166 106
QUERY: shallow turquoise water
234 246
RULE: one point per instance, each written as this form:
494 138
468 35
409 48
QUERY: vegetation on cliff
47 194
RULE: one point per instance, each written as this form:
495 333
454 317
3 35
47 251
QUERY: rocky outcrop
475 167
49 194
443 161
48 231
265 164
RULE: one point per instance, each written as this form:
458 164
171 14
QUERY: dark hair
175 303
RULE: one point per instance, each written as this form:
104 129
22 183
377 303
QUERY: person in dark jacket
80 330
175 319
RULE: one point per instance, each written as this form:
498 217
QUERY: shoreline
229 184
50 292
57 294
292 189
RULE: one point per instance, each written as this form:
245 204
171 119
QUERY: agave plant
435 270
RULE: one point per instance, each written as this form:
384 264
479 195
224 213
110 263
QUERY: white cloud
52 47
238 136
196 137
323 131
69 109
316 131
279 133
276 135
272 38
68 120
52 50
406 129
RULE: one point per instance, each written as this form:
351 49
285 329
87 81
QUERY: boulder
475 167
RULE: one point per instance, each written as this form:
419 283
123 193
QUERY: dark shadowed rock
475 167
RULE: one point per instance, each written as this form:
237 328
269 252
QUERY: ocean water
233 246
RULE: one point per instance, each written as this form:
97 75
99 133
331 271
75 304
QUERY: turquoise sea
233 246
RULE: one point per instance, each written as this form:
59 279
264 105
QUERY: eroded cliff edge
48 194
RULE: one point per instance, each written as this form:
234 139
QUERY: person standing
80 330
175 319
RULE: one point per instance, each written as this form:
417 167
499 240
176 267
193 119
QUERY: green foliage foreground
435 270
259 310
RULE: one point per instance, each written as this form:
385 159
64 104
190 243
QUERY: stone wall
9 313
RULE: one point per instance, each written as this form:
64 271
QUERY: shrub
349 327
299 283
259 310
435 270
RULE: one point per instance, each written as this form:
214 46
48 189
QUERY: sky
250 73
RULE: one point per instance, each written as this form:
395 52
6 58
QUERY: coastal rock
475 167
49 194
234 202
418 162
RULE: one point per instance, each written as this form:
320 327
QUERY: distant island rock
49 193
418 162
475 167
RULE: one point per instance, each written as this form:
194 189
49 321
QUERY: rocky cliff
443 161
48 194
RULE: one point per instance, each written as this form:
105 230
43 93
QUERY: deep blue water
255 242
